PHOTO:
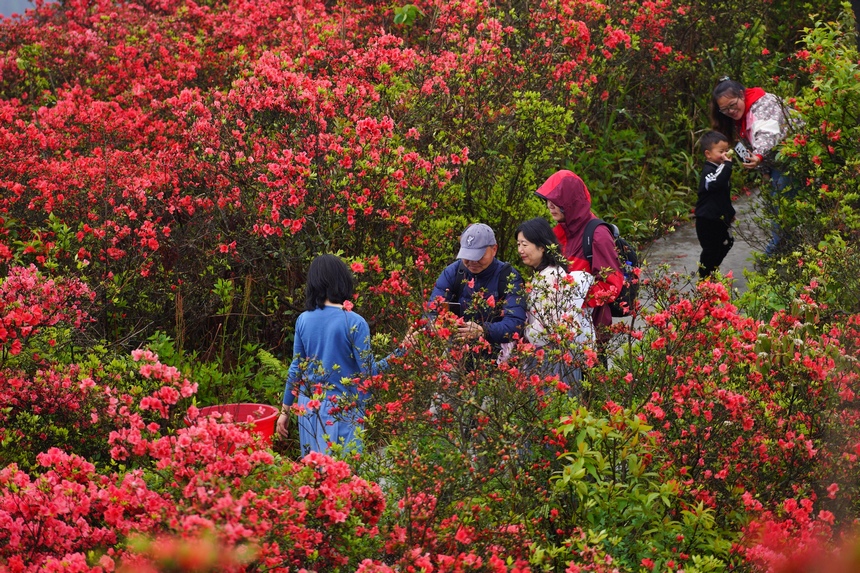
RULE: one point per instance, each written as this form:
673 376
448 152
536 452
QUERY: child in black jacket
714 211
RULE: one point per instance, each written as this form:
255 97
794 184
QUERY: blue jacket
330 349
501 321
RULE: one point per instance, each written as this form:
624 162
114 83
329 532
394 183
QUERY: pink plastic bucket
262 417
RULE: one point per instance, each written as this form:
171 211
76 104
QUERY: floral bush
821 218
157 148
186 482
171 167
706 419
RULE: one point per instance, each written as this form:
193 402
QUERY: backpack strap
588 238
457 288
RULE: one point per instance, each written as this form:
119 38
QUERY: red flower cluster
29 302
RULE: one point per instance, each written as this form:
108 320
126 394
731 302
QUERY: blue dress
331 349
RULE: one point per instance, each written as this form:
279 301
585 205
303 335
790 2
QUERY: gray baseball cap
474 242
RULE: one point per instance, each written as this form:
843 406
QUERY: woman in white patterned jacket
760 120
556 321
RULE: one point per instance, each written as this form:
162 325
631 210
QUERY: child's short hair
710 139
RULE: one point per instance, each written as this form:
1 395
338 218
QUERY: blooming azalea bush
44 403
820 219
320 156
207 477
765 397
313 514
31 302
795 538
58 406
705 418
187 160
160 147
751 413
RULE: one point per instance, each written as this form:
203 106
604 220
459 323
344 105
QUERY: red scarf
751 95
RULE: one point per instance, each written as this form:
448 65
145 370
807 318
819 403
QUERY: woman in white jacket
556 322
761 121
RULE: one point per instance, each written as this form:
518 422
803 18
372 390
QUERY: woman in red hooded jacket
569 204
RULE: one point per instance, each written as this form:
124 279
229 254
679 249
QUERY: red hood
751 95
566 190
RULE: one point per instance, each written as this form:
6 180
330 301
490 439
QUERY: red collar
751 95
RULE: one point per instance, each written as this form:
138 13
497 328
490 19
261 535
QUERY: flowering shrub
53 515
75 407
794 538
57 406
187 160
706 417
31 302
207 477
301 519
44 403
821 222
742 403
323 155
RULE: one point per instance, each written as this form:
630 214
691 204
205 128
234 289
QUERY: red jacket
567 191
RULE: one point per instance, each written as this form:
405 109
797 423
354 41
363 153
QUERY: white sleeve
557 297
581 282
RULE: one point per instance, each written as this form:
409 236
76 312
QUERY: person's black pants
716 241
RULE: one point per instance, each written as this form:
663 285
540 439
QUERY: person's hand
409 338
753 162
728 155
283 424
469 331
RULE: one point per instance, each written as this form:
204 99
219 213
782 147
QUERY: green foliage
832 267
825 155
821 220
257 376
523 147
616 491
633 182
407 14
38 76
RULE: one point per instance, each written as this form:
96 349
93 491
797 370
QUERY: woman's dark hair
328 279
720 121
538 232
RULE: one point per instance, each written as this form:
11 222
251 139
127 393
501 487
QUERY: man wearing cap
478 273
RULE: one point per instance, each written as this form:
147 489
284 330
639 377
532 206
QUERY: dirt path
680 250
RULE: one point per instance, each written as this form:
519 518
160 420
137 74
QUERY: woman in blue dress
331 351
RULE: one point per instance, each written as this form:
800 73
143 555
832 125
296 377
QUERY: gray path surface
680 250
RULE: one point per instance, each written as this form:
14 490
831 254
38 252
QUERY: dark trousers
716 241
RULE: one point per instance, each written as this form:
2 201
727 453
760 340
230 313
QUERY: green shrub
618 495
821 222
642 187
